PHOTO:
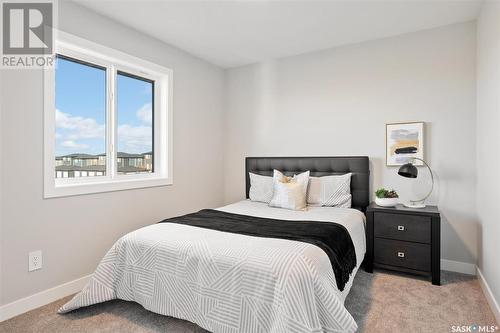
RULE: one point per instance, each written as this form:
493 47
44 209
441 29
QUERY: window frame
114 61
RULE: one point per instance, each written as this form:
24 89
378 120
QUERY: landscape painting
404 140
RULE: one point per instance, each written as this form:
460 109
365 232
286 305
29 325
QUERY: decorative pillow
261 188
290 192
330 191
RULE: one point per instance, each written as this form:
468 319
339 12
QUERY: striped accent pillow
261 188
330 191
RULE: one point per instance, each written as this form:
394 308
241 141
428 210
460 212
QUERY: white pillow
261 188
330 191
290 192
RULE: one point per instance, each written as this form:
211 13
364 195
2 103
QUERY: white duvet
227 282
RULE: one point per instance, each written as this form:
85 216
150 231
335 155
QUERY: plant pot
386 202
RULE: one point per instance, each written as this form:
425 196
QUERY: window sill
93 187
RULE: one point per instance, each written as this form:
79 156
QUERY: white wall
337 102
488 141
75 232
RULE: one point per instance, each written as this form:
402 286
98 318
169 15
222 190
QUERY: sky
81 111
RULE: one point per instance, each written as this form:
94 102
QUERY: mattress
227 282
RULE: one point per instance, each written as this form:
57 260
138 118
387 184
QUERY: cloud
71 130
73 145
134 139
145 114
79 127
137 139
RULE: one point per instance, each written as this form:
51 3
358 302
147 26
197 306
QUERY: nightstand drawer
402 254
403 227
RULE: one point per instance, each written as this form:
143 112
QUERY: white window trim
79 48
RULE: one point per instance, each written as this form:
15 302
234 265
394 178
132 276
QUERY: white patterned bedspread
227 282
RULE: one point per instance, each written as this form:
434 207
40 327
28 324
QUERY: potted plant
386 198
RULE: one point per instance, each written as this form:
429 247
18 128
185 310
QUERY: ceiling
236 33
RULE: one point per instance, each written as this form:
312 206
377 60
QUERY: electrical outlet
35 260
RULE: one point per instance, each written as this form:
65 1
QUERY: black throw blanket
332 238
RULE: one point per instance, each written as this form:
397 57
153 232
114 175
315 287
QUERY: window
107 121
80 114
134 112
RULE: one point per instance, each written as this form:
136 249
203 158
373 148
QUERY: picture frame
403 141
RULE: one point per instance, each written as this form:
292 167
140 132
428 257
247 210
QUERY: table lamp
409 170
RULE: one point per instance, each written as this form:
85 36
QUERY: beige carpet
380 302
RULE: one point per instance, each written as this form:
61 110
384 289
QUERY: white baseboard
495 308
458 266
42 298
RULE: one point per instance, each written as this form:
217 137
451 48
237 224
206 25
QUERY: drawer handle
401 228
401 254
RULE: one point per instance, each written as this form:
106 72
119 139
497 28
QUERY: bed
231 282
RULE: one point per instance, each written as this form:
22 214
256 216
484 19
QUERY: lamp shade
408 170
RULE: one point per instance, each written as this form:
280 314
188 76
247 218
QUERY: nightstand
404 239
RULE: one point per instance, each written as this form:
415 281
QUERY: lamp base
411 205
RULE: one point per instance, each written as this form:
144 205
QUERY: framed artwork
404 140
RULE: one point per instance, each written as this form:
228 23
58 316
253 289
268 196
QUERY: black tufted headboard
319 166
